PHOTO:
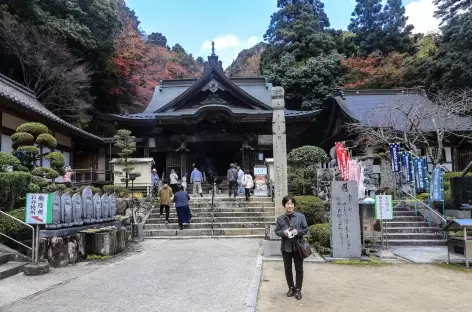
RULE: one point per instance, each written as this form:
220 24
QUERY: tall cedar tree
447 9
297 28
381 30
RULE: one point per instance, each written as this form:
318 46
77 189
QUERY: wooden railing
91 176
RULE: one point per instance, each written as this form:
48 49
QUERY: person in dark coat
291 226
181 199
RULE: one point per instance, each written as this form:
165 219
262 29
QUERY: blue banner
425 172
395 155
419 174
436 185
406 159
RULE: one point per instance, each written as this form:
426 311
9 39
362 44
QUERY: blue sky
237 25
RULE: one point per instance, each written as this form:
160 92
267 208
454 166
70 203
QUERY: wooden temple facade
210 122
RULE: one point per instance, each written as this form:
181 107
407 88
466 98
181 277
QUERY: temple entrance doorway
214 158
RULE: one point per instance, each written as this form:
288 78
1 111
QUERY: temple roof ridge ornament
213 99
213 85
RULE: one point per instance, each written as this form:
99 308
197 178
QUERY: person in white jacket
248 184
174 181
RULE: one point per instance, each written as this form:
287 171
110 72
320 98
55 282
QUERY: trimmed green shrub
35 128
119 191
14 229
319 236
41 182
8 160
13 186
47 140
33 188
422 196
55 187
28 149
307 155
313 208
21 138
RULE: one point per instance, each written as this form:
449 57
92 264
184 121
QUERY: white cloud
227 47
421 15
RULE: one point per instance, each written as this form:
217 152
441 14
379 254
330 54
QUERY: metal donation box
261 188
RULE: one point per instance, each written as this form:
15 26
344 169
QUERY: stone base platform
60 251
272 248
76 229
36 269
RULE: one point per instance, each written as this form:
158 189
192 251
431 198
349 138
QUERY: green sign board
38 208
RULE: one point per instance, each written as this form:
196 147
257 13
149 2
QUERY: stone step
413 229
4 257
391 224
405 213
401 209
206 225
199 219
204 237
11 268
417 242
413 236
226 198
207 232
209 210
408 218
227 205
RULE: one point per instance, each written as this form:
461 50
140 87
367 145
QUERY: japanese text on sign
383 207
38 208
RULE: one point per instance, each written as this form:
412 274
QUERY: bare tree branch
58 79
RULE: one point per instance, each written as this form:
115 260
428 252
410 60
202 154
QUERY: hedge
319 236
14 229
120 191
13 186
313 208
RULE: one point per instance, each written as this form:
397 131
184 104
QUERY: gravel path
338 288
168 275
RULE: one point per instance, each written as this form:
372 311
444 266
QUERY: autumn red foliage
142 65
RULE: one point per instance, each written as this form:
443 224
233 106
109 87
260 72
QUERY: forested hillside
84 57
248 62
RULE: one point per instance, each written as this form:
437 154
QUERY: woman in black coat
291 226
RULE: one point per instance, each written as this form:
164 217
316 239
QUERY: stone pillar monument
280 149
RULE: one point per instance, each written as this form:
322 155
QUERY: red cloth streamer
342 156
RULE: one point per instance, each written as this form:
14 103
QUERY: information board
38 208
383 207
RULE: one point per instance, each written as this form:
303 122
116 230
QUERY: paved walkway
345 288
168 275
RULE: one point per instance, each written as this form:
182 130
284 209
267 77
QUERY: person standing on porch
181 199
174 181
165 197
240 180
196 178
154 181
248 184
232 177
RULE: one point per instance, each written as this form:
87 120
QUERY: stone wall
61 251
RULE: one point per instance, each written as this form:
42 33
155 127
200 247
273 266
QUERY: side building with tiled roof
83 151
392 109
211 122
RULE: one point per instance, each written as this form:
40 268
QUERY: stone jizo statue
56 212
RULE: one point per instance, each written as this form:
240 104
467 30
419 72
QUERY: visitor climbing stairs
229 218
410 228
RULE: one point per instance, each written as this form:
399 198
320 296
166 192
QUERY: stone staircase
408 229
9 265
232 218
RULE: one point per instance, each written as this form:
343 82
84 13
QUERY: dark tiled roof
189 112
377 108
26 99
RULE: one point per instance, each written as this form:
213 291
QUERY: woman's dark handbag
304 249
